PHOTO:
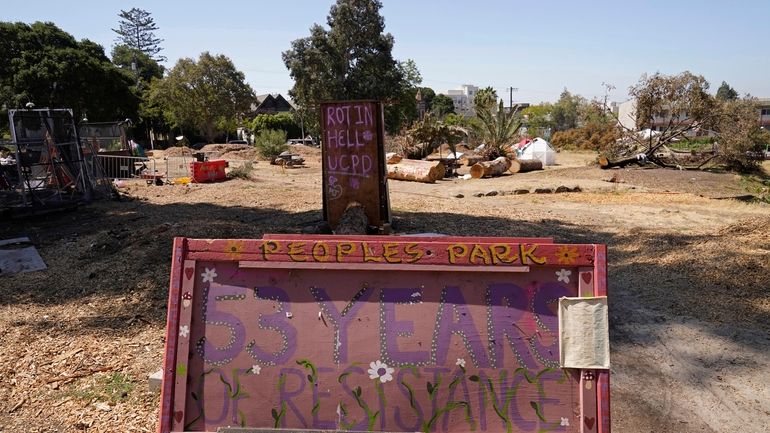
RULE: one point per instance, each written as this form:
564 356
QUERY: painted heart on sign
590 422
188 272
178 416
586 276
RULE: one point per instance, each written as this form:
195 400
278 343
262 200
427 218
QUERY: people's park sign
398 334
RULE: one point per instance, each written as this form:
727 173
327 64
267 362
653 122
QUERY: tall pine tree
352 59
137 31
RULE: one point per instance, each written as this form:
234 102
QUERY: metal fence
178 167
127 167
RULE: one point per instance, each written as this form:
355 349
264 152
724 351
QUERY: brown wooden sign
354 160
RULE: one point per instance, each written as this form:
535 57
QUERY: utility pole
512 89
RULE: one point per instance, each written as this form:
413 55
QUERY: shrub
277 121
740 138
242 172
270 143
597 136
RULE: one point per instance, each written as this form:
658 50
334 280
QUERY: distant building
269 104
626 112
463 99
764 112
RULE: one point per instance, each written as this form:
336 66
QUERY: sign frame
455 254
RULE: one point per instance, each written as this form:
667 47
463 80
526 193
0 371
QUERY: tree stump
353 220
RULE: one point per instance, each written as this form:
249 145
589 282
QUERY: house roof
271 98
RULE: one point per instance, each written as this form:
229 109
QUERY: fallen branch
78 375
61 357
18 405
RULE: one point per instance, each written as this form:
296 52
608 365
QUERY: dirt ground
689 285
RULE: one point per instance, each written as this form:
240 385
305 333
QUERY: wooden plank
353 160
462 253
603 376
172 325
374 267
183 343
588 417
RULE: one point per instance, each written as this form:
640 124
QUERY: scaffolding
53 167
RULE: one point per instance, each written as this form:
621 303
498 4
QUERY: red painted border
172 324
602 376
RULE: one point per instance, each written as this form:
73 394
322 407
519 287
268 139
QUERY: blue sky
539 47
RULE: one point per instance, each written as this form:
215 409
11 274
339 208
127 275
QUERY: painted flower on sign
234 249
566 255
564 422
380 370
563 275
460 362
184 331
209 275
255 369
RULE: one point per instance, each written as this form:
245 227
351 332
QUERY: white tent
538 149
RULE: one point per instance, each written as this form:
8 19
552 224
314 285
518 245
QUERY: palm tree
498 129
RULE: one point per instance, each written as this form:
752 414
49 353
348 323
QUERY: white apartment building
463 98
626 113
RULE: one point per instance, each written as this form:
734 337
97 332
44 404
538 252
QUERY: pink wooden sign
378 334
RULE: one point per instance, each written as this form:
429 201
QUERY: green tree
566 112
127 58
498 129
739 133
538 119
270 143
485 98
278 121
351 60
136 29
427 135
403 110
427 95
205 95
681 101
144 69
47 66
726 93
442 105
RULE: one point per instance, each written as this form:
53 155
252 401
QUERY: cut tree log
495 167
416 170
393 158
525 165
470 161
